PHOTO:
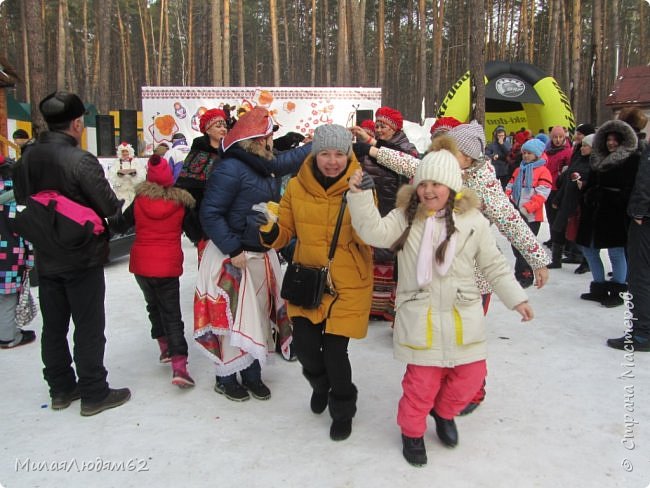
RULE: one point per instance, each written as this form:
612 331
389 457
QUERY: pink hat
251 125
159 172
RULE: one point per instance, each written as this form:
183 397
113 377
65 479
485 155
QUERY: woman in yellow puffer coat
309 211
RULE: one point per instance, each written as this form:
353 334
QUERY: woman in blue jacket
237 301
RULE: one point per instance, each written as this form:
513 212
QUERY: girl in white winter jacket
439 234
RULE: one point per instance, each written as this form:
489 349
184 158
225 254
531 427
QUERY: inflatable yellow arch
516 95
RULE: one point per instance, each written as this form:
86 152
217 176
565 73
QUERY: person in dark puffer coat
160 213
604 221
388 130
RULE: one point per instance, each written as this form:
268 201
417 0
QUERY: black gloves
361 149
260 219
367 183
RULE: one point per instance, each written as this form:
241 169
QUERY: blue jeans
252 374
616 257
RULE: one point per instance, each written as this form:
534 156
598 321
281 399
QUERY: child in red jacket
528 189
161 213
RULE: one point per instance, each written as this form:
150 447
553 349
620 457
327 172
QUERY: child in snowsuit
528 190
439 235
161 213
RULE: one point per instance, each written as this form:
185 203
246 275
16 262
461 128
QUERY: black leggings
322 353
164 308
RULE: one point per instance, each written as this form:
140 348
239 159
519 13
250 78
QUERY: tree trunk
104 22
289 60
343 50
191 66
161 28
597 50
381 52
522 33
358 17
553 37
166 65
226 42
275 47
477 59
326 44
240 42
217 53
36 67
145 44
422 59
576 58
123 55
61 44
26 61
313 44
438 16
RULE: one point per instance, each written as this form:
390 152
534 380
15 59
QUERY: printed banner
167 110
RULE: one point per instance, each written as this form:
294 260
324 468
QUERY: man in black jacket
71 287
637 325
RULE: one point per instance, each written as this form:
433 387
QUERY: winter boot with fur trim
597 292
180 376
321 388
342 409
163 344
613 298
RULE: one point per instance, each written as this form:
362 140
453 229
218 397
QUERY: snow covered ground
555 413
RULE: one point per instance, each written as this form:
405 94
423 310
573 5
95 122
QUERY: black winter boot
414 450
597 292
639 343
342 409
446 430
321 387
583 268
613 299
556 255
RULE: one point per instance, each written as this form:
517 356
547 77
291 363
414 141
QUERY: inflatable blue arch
516 95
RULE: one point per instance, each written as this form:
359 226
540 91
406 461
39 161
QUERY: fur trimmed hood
468 200
601 158
157 192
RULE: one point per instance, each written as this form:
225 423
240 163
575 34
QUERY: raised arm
401 163
499 211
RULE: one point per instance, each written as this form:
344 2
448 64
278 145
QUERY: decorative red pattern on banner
149 92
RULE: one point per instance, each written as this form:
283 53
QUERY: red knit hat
521 137
251 125
444 124
159 172
368 124
209 117
391 117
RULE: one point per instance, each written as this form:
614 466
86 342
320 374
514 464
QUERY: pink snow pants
447 390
